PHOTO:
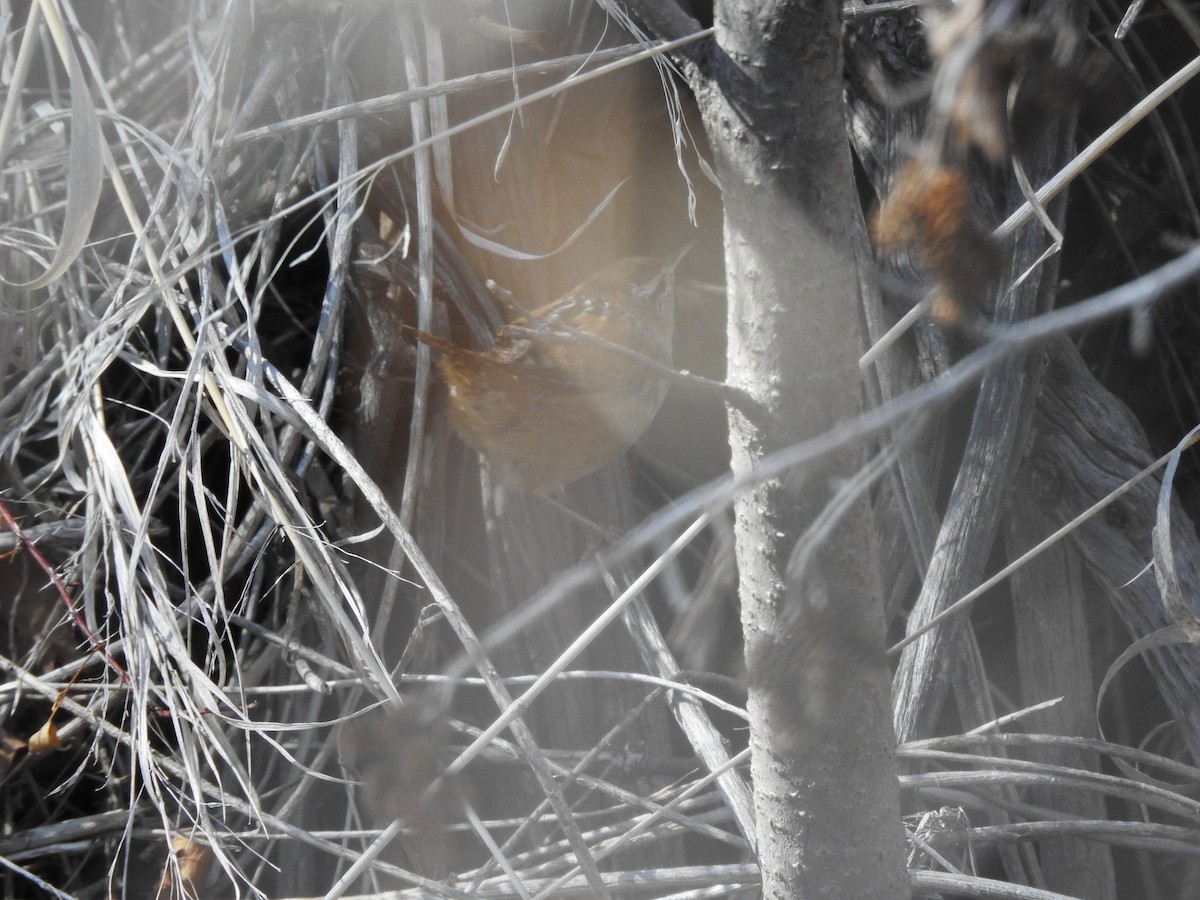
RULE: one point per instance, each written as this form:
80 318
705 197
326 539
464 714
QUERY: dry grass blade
269 629
85 162
188 438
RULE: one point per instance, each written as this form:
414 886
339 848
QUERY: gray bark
823 761
994 447
1085 445
1054 660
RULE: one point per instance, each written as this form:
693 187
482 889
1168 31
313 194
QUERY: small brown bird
562 392
929 209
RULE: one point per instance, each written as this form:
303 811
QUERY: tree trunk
823 765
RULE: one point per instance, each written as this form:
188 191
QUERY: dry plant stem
575 777
659 882
999 771
34 879
958 607
423 177
1008 718
212 791
728 393
881 137
526 540
973 701
1145 761
937 884
1000 422
1129 18
893 374
503 751
963 544
10 523
1146 835
1054 186
527 173
824 783
543 94
651 819
855 10
79 828
1093 151
17 78
378 105
552 671
1085 444
1054 660
691 715
414 469
454 617
1008 341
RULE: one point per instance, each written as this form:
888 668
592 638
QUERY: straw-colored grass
266 631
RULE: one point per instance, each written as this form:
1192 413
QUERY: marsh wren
567 388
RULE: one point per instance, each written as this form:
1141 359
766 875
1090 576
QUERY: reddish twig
11 524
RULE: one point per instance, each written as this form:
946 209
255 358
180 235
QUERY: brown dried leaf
46 738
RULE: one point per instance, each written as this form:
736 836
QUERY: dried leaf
85 174
46 738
